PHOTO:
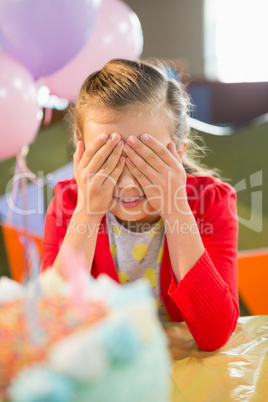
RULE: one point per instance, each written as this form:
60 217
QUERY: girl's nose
127 180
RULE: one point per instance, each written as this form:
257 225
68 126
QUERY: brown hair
124 84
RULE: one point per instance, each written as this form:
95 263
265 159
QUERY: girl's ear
172 148
182 149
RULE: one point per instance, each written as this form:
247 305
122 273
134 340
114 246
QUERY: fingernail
115 137
145 137
132 140
119 145
103 137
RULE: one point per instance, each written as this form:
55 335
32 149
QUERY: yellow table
236 372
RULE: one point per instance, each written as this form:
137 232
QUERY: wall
172 29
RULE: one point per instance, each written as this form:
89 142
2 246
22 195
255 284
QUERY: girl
139 207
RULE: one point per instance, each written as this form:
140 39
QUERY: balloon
20 114
117 34
45 34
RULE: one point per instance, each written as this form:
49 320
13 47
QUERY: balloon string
22 173
14 192
39 181
21 160
25 229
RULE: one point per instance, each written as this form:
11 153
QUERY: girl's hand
160 172
96 171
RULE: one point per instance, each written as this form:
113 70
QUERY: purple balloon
45 34
117 34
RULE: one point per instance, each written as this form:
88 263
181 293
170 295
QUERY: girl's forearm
81 237
184 241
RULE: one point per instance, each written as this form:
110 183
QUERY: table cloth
236 372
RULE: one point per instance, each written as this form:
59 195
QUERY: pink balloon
117 34
20 114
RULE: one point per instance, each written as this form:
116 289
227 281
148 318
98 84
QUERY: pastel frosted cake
102 344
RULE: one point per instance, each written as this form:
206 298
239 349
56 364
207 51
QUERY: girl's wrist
82 216
179 211
84 226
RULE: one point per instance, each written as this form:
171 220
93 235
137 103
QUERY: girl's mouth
130 202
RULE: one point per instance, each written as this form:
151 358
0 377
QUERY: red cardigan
207 297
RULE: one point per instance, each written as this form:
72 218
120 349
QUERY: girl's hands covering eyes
160 172
96 171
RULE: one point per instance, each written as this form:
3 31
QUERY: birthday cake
102 344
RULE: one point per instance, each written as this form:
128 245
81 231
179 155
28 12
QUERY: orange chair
16 252
253 280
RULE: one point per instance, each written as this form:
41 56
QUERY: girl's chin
135 213
128 216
